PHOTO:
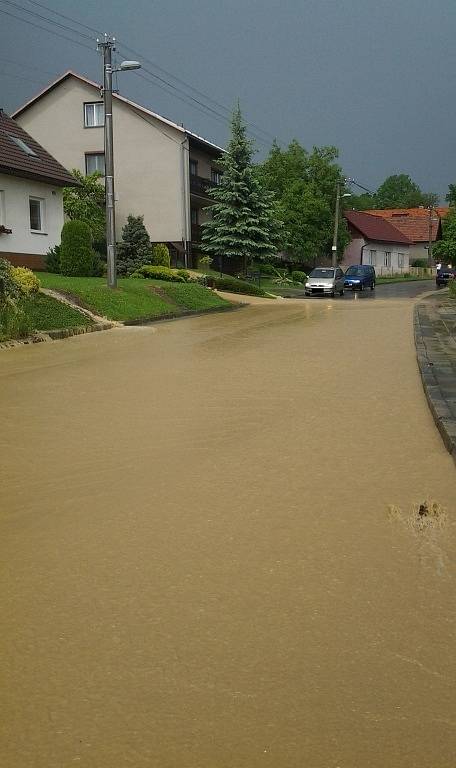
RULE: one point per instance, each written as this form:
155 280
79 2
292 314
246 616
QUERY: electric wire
163 81
45 29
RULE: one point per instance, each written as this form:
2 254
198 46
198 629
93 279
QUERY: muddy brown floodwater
213 554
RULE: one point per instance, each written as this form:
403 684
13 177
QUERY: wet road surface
383 291
211 555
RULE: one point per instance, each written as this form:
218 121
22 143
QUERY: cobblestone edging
435 328
61 333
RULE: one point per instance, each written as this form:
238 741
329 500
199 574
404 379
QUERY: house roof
21 155
414 222
199 141
375 228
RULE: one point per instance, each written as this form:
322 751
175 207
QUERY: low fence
415 271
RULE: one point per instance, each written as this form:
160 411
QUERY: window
95 161
36 206
193 168
22 145
387 259
372 257
94 114
194 216
216 176
400 259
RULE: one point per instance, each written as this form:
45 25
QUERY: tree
450 197
87 202
305 185
444 250
243 224
135 250
399 191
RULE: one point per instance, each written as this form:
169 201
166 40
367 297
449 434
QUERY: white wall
149 171
359 251
15 193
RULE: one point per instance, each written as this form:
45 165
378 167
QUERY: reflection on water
198 569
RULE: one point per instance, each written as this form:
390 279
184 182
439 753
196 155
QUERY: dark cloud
372 77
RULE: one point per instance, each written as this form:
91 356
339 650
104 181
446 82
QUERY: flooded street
212 555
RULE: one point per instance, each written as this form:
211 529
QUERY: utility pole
107 47
336 226
430 259
336 218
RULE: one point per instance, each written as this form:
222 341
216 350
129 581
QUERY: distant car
444 274
325 281
360 276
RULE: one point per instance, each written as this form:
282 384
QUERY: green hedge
233 285
159 273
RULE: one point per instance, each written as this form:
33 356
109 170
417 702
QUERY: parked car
360 276
444 274
325 281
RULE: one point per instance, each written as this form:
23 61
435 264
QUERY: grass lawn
402 279
47 314
133 299
193 296
40 313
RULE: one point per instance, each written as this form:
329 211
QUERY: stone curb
55 335
432 361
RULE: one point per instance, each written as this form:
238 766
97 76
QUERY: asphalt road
212 554
404 290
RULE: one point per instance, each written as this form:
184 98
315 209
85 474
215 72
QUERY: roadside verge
434 329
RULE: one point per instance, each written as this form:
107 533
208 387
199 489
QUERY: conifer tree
135 249
243 224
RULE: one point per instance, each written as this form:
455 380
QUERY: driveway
213 553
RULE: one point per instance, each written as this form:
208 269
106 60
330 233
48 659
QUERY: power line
257 129
67 18
191 87
45 18
45 29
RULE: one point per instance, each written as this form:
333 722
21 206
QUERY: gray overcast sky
372 77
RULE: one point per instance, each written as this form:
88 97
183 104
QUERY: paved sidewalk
435 339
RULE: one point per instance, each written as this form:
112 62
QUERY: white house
31 205
162 170
376 241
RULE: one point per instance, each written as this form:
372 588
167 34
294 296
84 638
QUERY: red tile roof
375 228
414 222
38 165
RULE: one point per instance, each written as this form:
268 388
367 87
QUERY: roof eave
23 174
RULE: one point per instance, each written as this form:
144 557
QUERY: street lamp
107 47
336 220
432 220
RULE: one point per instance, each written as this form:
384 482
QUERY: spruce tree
243 224
135 248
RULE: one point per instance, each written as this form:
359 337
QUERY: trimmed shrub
77 257
52 260
205 262
186 275
26 280
423 263
9 289
159 273
298 277
160 256
233 285
135 249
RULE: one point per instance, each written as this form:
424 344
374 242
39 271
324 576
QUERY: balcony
196 233
200 186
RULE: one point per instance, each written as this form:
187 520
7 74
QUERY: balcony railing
196 233
200 186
